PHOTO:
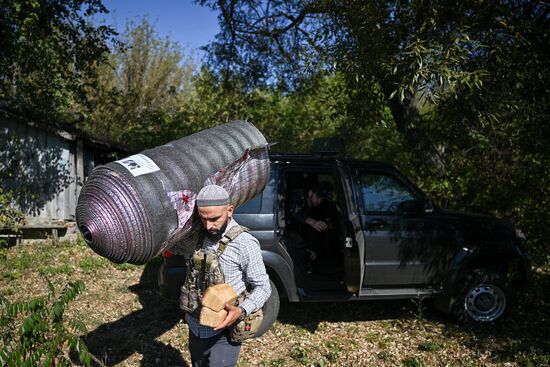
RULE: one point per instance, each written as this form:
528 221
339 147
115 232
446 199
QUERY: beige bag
246 328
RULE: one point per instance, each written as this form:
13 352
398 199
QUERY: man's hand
318 225
233 314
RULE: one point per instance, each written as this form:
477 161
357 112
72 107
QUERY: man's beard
217 234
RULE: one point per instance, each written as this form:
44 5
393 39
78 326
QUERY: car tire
270 310
485 297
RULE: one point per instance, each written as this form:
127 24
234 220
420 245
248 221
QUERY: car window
382 193
251 206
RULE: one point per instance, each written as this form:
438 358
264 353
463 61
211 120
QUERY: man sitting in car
320 222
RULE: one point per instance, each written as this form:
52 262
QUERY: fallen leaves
130 325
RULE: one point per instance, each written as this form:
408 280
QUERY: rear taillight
167 253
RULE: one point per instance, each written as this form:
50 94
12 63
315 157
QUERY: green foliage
395 55
11 218
142 90
89 264
300 355
418 302
333 350
125 266
36 332
429 346
296 119
13 267
533 358
48 53
384 355
11 275
291 119
60 269
412 362
455 93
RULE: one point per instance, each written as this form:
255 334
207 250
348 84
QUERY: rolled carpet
132 209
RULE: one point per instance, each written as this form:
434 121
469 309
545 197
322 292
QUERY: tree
48 54
293 120
142 90
393 53
465 83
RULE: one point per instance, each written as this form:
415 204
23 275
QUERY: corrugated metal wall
45 177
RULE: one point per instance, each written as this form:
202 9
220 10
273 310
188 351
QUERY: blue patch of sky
190 25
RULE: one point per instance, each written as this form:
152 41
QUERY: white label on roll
139 164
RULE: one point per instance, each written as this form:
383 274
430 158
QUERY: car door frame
354 253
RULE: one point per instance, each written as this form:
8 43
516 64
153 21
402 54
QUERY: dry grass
130 325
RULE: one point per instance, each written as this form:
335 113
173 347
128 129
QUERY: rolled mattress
132 209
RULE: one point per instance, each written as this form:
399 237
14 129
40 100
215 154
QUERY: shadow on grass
521 338
114 342
309 315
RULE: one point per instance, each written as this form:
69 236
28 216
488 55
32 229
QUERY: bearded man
238 258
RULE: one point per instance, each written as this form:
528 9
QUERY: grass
124 267
90 264
300 355
60 269
129 325
333 350
384 355
429 346
412 362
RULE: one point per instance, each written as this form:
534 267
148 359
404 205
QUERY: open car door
354 248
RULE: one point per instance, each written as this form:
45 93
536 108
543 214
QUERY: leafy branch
37 333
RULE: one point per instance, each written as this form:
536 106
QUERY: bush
36 332
10 218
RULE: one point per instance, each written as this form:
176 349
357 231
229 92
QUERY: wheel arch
281 274
510 262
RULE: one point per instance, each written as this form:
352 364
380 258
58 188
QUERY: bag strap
229 236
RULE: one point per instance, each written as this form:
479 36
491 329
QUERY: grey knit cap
212 195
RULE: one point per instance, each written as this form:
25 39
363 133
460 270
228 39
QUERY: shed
45 166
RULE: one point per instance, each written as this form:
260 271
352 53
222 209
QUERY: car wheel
485 297
270 310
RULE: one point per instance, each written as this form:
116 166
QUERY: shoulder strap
231 234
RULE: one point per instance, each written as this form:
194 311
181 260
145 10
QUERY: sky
191 25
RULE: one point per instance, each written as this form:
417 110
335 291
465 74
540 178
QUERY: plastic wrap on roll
132 209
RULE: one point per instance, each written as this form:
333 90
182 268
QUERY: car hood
482 225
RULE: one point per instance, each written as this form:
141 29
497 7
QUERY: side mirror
410 207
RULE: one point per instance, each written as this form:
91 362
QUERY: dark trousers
213 352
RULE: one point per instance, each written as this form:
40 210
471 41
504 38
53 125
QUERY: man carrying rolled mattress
226 284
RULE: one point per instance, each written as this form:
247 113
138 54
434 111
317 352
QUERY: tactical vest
203 270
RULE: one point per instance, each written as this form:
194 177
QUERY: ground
130 325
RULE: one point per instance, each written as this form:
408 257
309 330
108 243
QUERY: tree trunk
408 122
